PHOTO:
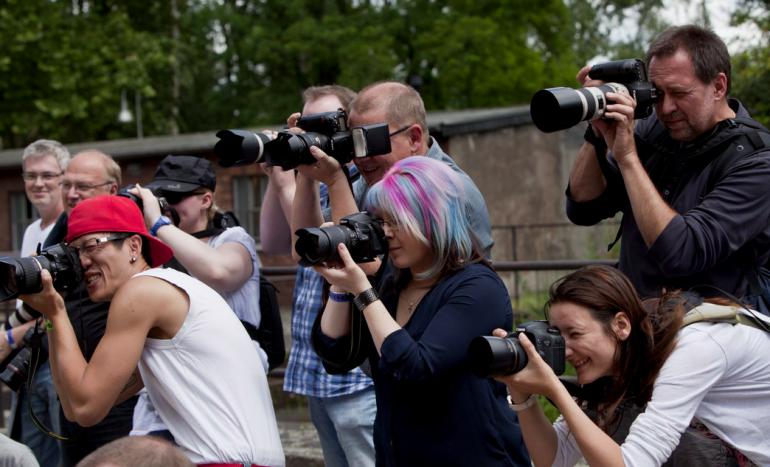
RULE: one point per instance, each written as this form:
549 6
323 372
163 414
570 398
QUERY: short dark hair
345 95
707 51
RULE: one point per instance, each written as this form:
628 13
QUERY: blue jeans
345 426
45 404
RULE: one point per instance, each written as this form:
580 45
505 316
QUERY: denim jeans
45 404
345 426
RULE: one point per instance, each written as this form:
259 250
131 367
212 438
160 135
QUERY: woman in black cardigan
431 410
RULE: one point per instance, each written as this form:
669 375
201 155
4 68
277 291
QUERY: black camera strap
36 349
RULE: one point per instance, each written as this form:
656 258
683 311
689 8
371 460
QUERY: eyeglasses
389 223
401 130
92 245
83 187
45 176
176 198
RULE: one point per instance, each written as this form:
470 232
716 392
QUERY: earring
133 259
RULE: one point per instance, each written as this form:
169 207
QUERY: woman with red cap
167 325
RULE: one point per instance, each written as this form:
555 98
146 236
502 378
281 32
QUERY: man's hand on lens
617 126
326 169
48 301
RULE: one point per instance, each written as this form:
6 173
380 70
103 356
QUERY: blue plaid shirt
305 373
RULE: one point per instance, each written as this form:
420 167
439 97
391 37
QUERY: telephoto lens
240 147
555 109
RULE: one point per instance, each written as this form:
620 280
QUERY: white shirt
208 384
718 373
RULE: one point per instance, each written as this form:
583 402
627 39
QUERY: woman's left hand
149 202
347 275
536 378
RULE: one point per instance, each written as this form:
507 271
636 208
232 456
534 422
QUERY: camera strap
36 348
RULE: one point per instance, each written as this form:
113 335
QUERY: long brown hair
605 291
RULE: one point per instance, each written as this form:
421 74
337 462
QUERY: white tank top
208 385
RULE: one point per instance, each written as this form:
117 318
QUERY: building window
247 201
22 214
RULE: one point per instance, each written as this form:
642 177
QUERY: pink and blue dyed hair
425 198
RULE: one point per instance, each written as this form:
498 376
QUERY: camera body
327 130
22 275
498 356
560 108
361 233
14 369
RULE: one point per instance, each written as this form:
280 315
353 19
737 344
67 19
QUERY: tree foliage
199 65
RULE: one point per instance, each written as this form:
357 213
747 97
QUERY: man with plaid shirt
342 407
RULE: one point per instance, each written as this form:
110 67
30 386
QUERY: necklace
418 293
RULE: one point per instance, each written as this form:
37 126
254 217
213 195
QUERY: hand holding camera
345 275
47 301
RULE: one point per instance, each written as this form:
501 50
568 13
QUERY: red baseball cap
112 213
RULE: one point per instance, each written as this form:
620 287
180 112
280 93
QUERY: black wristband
365 298
596 141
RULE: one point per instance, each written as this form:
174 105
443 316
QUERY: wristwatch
365 298
162 220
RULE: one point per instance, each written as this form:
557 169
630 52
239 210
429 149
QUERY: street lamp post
125 115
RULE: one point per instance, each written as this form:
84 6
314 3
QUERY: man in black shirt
90 173
691 180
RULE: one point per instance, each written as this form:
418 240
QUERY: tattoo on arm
132 386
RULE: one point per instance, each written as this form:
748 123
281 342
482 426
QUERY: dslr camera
560 108
328 131
361 233
22 275
498 356
15 368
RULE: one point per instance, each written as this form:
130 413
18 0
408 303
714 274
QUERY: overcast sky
720 11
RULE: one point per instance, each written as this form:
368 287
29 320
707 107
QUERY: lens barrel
555 109
496 356
319 244
239 147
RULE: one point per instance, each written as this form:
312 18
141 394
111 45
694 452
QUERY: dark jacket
431 410
722 230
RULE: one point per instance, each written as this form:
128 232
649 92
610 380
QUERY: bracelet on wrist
10 339
162 220
340 297
531 401
365 298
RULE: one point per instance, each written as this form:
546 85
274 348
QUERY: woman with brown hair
625 352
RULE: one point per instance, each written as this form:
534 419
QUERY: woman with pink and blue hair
441 293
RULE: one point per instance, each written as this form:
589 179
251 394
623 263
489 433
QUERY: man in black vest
692 180
90 173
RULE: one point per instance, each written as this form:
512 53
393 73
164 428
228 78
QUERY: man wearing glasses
402 108
42 163
90 173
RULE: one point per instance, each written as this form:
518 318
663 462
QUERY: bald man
90 173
